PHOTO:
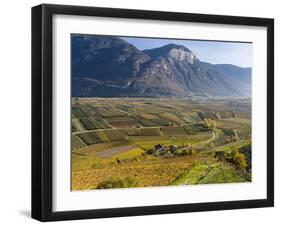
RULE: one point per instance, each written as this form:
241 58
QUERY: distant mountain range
107 66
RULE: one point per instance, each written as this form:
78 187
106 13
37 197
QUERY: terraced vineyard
135 142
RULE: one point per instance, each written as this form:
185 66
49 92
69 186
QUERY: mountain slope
109 66
105 57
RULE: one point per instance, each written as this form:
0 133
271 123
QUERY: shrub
220 155
240 160
185 152
247 151
192 151
127 182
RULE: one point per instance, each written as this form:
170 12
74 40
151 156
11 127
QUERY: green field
135 142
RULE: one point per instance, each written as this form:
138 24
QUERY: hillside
106 66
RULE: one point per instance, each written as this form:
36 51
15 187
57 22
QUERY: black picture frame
42 111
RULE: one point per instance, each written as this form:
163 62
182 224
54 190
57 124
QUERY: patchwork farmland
139 142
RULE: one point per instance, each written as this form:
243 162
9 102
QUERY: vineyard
134 142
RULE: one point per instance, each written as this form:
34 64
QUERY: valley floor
134 142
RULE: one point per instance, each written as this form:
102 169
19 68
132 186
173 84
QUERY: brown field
148 173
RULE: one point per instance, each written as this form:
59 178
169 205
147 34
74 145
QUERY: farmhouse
159 147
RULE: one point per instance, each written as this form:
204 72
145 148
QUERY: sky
215 52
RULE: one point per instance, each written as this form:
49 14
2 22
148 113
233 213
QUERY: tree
240 160
210 123
214 125
206 123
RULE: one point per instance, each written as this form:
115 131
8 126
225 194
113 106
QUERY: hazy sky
239 54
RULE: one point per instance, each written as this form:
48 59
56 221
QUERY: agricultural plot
225 114
173 118
87 124
77 142
99 123
189 116
173 130
155 122
122 122
92 173
77 124
148 116
135 142
132 131
242 126
194 128
207 115
77 112
93 137
118 151
99 147
151 131
115 134
234 123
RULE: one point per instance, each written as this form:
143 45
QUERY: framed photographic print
147 112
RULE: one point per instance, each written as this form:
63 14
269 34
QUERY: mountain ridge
109 66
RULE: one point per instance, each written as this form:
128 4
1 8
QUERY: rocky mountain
106 66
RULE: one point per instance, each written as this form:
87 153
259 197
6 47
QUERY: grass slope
213 173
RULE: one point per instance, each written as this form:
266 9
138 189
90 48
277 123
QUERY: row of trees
234 156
